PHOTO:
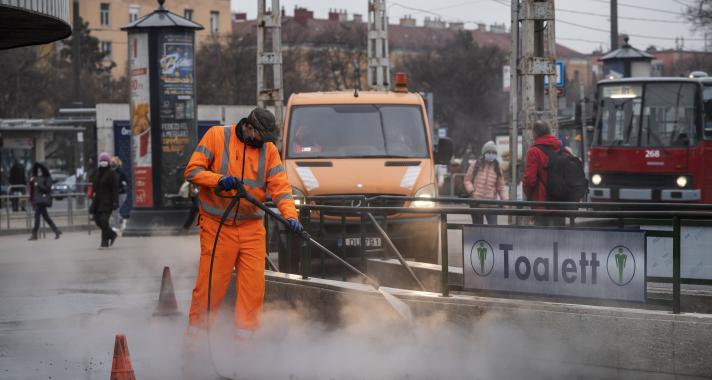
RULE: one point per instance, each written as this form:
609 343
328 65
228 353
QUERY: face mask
490 156
103 164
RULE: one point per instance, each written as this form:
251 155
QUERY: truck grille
356 203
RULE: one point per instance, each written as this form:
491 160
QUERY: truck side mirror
443 151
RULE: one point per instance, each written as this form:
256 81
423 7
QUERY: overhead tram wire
620 17
629 34
666 11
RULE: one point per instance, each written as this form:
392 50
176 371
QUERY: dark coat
41 191
17 174
123 181
106 190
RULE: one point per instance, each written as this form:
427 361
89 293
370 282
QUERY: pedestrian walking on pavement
18 182
105 199
484 180
227 155
536 171
41 197
118 217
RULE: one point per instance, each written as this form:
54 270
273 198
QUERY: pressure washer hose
398 305
234 203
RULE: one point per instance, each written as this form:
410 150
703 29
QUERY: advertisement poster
177 111
140 119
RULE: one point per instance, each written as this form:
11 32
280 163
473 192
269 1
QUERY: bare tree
465 79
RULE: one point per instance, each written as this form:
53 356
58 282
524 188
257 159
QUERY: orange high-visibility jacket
220 153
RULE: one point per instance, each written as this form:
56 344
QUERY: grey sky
583 24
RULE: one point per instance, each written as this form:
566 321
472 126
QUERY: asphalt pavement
63 301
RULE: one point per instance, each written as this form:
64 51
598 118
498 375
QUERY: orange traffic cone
121 365
167 304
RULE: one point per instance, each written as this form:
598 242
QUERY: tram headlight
596 179
681 181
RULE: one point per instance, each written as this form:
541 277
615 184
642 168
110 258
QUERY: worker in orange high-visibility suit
227 154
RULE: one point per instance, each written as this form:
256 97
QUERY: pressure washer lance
399 306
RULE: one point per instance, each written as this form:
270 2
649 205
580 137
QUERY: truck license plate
374 242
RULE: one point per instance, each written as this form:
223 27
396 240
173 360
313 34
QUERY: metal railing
74 212
672 215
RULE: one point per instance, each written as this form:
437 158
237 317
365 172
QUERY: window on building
105 47
133 13
214 16
104 14
188 13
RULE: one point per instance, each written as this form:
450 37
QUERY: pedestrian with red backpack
552 173
484 180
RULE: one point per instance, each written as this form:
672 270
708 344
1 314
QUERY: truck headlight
596 179
424 192
681 181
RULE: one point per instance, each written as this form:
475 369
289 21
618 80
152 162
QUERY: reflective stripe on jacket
220 153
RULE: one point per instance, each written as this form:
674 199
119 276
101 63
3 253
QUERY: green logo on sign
482 254
482 258
621 265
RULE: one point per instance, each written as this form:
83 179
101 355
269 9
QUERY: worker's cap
264 123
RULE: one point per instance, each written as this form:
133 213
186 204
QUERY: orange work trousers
241 248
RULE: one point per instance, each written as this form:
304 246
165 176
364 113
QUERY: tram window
707 96
669 115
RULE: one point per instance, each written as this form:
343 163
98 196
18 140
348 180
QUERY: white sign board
695 248
591 263
506 78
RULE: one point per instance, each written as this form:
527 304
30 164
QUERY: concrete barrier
607 341
390 272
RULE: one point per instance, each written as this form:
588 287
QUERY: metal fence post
676 265
70 214
444 255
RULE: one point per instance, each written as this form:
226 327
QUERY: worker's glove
295 226
228 182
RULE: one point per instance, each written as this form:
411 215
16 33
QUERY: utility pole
269 58
614 25
378 66
76 52
514 103
535 51
584 133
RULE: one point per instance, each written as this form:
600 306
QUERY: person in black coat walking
41 198
106 199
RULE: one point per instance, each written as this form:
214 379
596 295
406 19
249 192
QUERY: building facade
106 17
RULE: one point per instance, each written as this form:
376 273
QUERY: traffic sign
560 74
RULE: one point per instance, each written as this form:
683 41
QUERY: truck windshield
647 115
356 130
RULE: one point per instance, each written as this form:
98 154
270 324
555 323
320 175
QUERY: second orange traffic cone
167 304
121 365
